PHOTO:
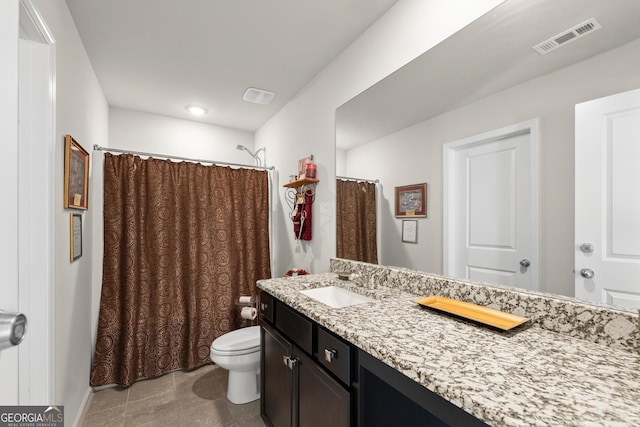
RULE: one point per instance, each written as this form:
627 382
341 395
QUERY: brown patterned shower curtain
356 221
182 242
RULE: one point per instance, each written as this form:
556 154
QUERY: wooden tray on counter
488 316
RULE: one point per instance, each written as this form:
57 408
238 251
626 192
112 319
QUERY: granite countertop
528 376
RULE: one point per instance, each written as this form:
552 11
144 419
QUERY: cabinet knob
329 355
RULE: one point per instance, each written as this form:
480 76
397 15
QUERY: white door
26 220
491 207
9 189
608 200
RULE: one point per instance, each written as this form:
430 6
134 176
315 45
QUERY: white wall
415 155
81 110
306 125
138 131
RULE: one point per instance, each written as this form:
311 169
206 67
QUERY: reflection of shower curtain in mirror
356 221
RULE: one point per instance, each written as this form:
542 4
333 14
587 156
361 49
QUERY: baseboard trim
83 407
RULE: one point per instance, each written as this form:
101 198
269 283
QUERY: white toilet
239 352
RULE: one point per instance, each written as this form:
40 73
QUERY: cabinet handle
264 306
329 355
289 362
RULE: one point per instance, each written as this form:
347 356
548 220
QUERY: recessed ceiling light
195 110
259 96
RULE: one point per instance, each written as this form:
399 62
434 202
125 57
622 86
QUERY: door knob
13 327
525 263
586 248
587 273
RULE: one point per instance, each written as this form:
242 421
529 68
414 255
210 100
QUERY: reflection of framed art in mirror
410 230
411 200
76 174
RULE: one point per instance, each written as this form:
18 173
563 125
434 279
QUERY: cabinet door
388 398
322 401
277 379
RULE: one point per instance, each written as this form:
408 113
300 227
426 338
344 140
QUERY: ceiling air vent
259 96
567 36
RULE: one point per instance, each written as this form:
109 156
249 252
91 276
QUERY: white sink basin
336 297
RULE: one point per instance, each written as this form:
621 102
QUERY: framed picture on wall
410 230
411 200
75 228
76 175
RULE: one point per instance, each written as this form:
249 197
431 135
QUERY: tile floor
196 398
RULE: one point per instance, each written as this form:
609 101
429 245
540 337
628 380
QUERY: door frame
9 28
449 150
36 228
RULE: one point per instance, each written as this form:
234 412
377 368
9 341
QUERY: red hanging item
302 216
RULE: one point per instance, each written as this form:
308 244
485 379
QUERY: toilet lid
244 340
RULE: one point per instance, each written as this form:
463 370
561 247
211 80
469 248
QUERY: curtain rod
170 157
377 181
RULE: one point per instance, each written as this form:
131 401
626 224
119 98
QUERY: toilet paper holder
249 310
246 300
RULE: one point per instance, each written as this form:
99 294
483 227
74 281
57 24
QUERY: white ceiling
158 56
491 54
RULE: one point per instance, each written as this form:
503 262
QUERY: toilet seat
240 341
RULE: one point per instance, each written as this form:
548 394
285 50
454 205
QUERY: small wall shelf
301 182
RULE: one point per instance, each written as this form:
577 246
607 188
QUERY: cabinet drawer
266 306
335 355
295 326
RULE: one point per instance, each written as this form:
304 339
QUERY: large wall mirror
486 77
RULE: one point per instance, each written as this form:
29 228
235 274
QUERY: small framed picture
411 200
75 227
410 230
76 174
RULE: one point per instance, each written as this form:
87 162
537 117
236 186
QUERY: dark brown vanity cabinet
296 390
311 377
